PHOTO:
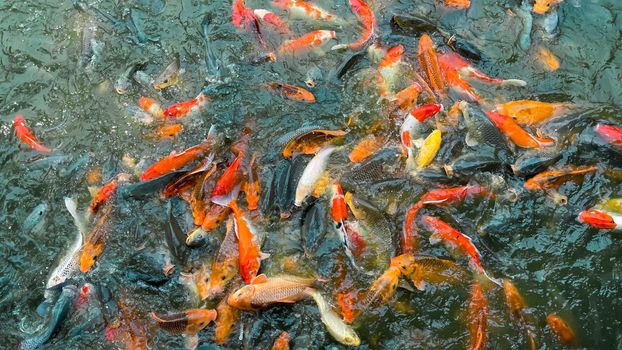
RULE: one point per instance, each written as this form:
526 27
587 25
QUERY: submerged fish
282 342
23 133
341 331
227 316
265 291
169 76
187 108
382 289
478 318
304 9
554 178
312 41
368 22
35 221
291 92
188 322
123 82
561 329
426 269
225 266
310 142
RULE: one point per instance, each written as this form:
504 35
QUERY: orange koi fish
272 19
188 322
252 187
368 20
103 195
424 269
383 288
516 305
187 108
561 329
455 81
601 219
409 229
167 131
548 59
428 59
304 9
177 161
478 318
150 106
365 148
553 179
291 92
95 241
240 14
339 211
229 182
311 142
444 196
282 342
24 134
227 316
387 69
215 215
225 266
542 6
308 42
264 291
528 112
407 97
610 133
453 238
518 135
249 248
459 4
453 61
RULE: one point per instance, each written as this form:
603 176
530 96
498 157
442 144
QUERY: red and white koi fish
273 20
187 108
304 9
309 42
413 121
150 106
368 20
452 60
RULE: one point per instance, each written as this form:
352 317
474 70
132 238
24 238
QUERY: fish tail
229 199
514 82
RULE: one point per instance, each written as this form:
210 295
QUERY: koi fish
304 9
383 288
542 6
312 173
387 68
227 316
601 219
553 179
609 133
429 149
291 92
426 269
227 186
518 135
150 106
516 305
409 229
282 342
310 142
252 187
169 76
407 97
547 59
188 322
95 241
413 122
225 266
24 134
561 329
452 238
272 19
167 131
249 247
103 195
459 4
312 41
177 161
368 21
265 291
341 331
240 13
478 318
528 112
369 145
428 58
214 216
187 108
453 61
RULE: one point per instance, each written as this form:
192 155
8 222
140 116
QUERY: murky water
558 264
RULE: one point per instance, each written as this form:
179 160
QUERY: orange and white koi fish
413 121
542 6
282 342
312 41
274 20
339 214
610 133
188 322
249 246
518 135
151 106
96 240
455 81
368 20
561 329
478 318
304 9
264 291
291 92
601 219
554 178
312 173
24 134
252 186
428 58
177 161
388 69
453 238
452 60
187 108
528 112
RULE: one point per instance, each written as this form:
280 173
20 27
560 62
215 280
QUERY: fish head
241 299
214 217
405 263
542 6
222 274
201 318
350 338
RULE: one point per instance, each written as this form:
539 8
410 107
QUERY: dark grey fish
268 195
313 76
123 83
471 163
141 189
175 238
284 139
381 166
482 131
138 35
348 62
281 182
531 163
313 228
169 76
59 312
89 49
35 221
101 16
211 62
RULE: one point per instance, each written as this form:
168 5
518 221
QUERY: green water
557 263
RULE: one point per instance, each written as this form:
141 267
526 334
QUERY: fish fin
420 285
435 239
263 256
191 341
487 277
404 285
72 208
339 47
514 82
259 279
470 141
418 142
226 199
